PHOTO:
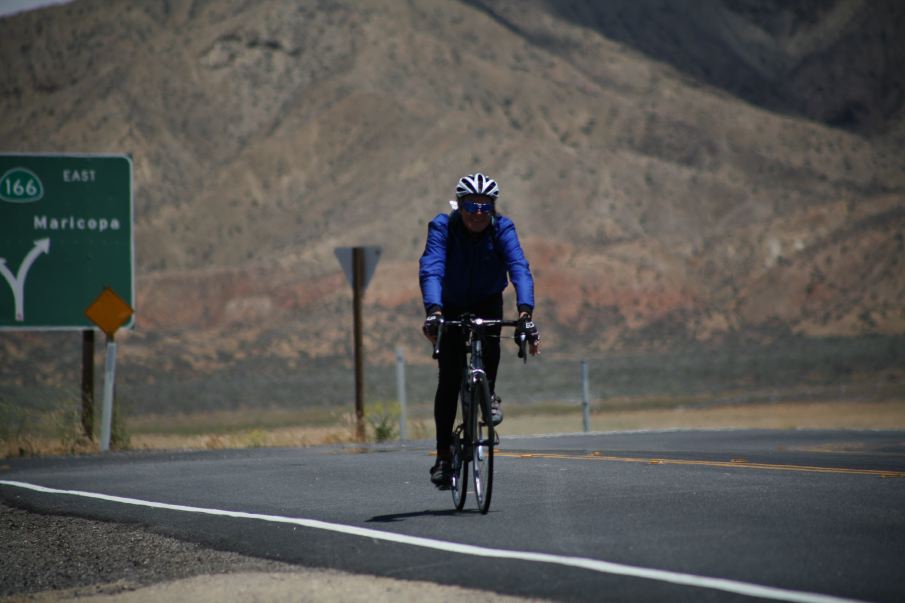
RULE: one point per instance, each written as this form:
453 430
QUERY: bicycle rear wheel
483 444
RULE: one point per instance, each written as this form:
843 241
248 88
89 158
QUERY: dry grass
28 445
787 415
222 429
248 438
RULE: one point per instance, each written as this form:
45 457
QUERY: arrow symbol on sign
17 283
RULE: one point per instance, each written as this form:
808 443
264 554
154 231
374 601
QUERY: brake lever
522 351
439 336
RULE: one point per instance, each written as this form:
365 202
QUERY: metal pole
88 383
400 390
107 408
358 271
585 397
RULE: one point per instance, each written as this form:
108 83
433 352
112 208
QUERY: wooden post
358 271
88 383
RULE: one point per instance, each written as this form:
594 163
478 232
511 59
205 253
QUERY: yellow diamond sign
109 311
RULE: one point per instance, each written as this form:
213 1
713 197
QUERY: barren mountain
686 173
830 61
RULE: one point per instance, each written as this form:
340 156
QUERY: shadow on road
427 513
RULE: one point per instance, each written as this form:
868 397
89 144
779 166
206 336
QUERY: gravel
52 558
50 552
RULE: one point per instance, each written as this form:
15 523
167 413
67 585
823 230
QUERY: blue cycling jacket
459 270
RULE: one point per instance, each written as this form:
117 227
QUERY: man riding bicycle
463 269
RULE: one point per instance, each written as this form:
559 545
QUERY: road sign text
20 185
73 223
78 175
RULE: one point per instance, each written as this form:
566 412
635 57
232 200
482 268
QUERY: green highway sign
65 235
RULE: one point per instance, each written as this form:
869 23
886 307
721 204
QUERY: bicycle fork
470 414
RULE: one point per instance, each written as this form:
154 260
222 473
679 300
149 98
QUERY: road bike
475 438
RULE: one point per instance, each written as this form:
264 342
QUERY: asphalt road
654 516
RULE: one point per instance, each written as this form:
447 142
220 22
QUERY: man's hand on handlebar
527 328
431 327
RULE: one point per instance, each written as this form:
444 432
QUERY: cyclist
464 268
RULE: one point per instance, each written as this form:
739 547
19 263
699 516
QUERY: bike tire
482 445
460 473
459 452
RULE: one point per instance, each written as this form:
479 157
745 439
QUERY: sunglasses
474 207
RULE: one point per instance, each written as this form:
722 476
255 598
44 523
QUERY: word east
78 175
73 223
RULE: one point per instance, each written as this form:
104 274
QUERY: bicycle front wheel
483 443
460 472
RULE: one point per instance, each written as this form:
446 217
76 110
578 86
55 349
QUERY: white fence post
400 390
107 407
585 397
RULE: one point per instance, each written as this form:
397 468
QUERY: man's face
476 211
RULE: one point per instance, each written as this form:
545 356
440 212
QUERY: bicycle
475 438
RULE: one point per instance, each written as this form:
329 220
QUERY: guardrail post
585 397
400 390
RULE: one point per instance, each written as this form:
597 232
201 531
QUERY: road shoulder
59 558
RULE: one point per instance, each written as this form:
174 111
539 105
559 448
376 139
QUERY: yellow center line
734 463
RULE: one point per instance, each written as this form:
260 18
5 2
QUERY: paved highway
653 516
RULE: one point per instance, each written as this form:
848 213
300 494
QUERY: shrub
383 417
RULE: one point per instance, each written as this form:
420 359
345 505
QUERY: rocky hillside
826 60
675 176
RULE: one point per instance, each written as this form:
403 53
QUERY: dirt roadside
54 558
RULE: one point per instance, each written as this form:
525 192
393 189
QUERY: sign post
88 383
108 311
107 405
357 293
359 264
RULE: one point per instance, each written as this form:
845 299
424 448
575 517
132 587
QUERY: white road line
543 436
605 567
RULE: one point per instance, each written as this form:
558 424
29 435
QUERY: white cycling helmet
477 184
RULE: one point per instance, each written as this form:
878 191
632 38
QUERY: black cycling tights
452 363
